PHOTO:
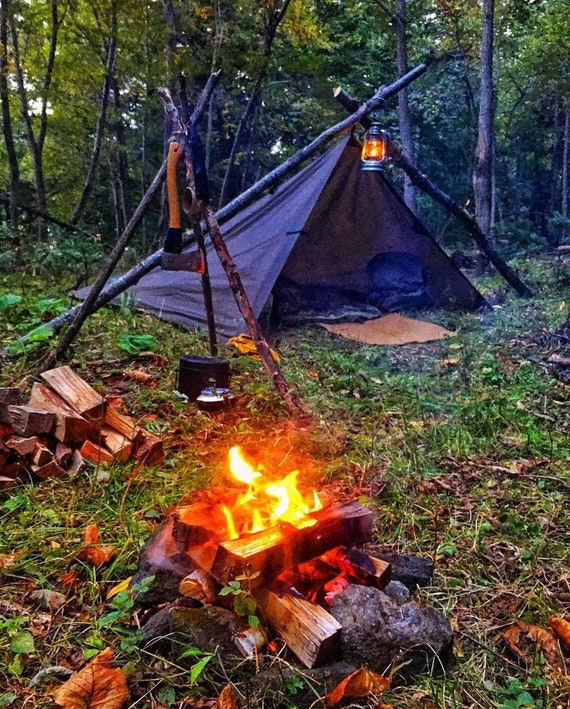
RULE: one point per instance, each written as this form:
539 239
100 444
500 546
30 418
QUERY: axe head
194 261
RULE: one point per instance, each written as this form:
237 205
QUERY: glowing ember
265 502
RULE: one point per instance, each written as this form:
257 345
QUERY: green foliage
244 603
202 660
135 344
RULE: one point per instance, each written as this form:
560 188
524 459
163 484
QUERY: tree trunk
36 144
7 132
404 113
273 19
101 122
565 168
482 172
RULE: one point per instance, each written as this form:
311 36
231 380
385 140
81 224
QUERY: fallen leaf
97 686
8 560
450 362
227 698
91 534
561 628
47 599
121 586
138 375
97 554
93 552
523 639
361 683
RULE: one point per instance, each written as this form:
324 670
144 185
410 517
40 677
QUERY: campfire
290 548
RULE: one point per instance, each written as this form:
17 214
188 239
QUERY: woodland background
84 133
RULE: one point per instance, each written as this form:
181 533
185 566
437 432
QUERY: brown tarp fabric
391 329
319 228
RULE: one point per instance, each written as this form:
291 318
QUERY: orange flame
265 503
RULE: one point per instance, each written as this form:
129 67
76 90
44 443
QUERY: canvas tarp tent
330 227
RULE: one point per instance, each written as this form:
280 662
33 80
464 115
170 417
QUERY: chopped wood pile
64 423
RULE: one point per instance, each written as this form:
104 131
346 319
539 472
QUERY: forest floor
461 446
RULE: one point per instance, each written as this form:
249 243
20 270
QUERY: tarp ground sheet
331 226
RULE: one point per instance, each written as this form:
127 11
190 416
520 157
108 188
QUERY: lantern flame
265 503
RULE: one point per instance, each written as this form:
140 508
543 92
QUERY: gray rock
376 631
411 570
397 591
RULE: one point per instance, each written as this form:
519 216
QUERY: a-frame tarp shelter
321 228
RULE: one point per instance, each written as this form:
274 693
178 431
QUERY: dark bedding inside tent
331 238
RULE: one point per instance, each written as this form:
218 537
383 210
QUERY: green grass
461 446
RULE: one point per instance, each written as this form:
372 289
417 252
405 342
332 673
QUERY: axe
171 258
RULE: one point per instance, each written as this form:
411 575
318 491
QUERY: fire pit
292 551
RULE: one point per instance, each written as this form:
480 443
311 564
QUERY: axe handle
173 241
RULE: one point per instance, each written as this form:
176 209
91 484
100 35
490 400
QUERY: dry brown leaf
361 683
8 560
93 552
91 534
227 698
449 362
97 554
524 639
97 686
561 628
138 375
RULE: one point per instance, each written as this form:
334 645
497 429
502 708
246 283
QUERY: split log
359 566
96 454
122 423
119 445
148 448
199 586
8 396
70 426
263 555
250 641
76 392
29 421
49 470
63 454
423 182
42 456
309 631
22 445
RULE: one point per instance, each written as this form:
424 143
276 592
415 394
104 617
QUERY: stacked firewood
64 423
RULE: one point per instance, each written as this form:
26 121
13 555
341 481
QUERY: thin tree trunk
565 169
482 182
272 21
8 133
36 144
404 113
101 123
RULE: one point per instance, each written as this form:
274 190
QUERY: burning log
310 632
262 556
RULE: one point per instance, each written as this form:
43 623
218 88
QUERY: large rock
376 630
